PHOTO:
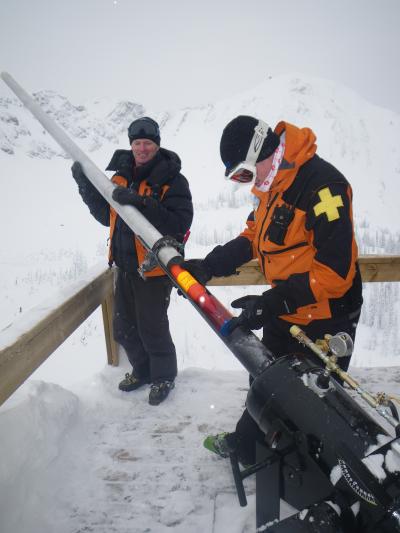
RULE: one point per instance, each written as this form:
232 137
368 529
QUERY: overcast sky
175 53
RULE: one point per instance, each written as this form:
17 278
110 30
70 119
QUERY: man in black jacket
147 177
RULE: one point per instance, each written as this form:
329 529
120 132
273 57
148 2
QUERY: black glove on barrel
125 196
252 315
78 174
256 309
198 268
85 187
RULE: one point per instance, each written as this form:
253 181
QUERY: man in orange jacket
301 231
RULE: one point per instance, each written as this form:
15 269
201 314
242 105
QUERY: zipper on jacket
277 252
269 205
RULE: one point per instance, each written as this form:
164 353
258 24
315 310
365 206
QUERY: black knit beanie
144 128
236 139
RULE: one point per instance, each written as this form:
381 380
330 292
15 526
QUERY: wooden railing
23 348
373 268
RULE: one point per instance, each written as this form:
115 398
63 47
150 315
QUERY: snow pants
141 325
277 338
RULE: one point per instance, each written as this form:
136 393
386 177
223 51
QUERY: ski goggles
241 173
245 171
143 126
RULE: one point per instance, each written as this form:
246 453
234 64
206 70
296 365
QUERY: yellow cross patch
329 204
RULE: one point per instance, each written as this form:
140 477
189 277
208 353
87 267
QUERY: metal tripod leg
238 478
268 487
267 470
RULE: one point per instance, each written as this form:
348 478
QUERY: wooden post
112 348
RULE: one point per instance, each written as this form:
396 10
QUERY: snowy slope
360 138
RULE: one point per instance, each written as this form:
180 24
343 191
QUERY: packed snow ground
93 458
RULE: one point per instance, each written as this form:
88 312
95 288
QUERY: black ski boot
159 391
132 382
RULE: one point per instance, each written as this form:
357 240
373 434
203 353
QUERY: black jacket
170 213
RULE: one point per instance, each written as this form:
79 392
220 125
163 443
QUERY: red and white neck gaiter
276 163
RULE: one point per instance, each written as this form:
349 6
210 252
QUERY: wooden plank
373 268
22 356
380 268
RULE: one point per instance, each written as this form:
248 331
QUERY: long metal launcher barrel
244 345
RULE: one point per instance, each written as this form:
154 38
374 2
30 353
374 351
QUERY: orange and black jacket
168 206
302 235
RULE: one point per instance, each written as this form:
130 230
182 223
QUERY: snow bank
33 424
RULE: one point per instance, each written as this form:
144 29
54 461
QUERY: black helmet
237 137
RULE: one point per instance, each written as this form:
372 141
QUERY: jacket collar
164 166
299 148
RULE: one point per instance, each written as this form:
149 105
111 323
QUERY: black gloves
78 175
199 269
252 315
256 309
86 189
125 196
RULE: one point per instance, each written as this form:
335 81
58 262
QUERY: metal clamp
151 261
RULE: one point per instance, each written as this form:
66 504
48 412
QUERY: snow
97 457
392 458
336 474
77 454
27 321
335 507
374 464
